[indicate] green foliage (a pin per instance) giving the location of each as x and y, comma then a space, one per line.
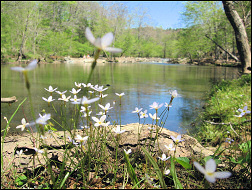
21, 180
176, 181
156, 168
131, 170
225, 98
62, 32
246, 154
184, 161
205, 18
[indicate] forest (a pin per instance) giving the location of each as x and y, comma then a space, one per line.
41, 29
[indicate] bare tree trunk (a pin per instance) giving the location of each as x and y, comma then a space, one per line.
23, 39
240, 35
164, 50
233, 56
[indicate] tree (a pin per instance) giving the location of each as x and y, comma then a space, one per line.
240, 35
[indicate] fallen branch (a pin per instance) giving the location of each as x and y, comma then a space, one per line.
213, 123
234, 131
233, 56
9, 100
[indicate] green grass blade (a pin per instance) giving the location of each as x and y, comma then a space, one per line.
131, 170
158, 171
64, 180
174, 176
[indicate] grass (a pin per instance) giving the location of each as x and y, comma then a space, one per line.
218, 120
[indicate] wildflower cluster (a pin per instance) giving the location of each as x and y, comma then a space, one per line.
94, 136
154, 116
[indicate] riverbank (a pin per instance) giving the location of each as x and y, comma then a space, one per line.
219, 118
182, 61
205, 62
117, 60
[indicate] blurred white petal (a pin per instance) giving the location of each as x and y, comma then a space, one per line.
113, 50
210, 166
95, 119
107, 39
20, 69
89, 35
199, 167
222, 174
32, 65
210, 178
98, 43
103, 118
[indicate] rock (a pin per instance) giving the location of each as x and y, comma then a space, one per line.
187, 148
56, 146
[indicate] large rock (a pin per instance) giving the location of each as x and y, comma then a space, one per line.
56, 143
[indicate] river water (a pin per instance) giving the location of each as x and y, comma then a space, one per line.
142, 83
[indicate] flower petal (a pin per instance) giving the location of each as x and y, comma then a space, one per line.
107, 39
89, 35
210, 178
98, 43
210, 166
96, 119
199, 167
240, 110
32, 65
173, 138
179, 137
93, 100
44, 99
103, 118
222, 174
23, 121
19, 69
101, 106
113, 50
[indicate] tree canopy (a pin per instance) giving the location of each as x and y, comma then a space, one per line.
44, 28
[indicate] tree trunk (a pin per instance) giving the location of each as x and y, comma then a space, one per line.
240, 35
23, 39
164, 50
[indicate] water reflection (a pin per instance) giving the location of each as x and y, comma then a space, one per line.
142, 83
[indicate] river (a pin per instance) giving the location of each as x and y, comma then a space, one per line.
142, 83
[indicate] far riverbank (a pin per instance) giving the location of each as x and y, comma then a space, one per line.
182, 61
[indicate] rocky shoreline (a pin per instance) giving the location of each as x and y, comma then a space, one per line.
189, 147
117, 59
182, 61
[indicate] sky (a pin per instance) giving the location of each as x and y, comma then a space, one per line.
162, 13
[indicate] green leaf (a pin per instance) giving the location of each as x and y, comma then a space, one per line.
245, 147
176, 181
21, 180
158, 171
184, 161
240, 160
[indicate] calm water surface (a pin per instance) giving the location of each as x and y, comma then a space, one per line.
142, 83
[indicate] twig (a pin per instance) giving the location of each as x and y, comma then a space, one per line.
235, 131
213, 123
